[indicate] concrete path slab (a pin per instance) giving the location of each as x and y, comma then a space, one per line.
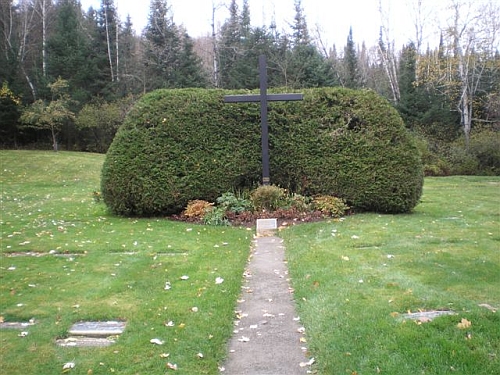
267, 335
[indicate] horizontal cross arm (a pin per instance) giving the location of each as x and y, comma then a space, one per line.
257, 98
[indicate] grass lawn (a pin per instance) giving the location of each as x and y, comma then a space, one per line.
355, 278
117, 271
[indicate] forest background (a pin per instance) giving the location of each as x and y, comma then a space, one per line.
69, 75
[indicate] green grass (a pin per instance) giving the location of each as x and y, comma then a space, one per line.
118, 270
353, 277
446, 255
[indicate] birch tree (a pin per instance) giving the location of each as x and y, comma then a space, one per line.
469, 44
387, 53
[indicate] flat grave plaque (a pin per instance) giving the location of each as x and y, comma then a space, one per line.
16, 325
97, 329
266, 226
83, 342
426, 316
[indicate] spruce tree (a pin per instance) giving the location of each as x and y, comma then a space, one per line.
162, 47
351, 77
306, 67
69, 53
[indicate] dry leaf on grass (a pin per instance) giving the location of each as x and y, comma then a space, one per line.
308, 363
172, 366
68, 366
464, 323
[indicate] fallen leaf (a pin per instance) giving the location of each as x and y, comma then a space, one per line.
424, 319
464, 323
172, 366
303, 340
68, 366
156, 341
164, 355
1, 319
345, 258
308, 363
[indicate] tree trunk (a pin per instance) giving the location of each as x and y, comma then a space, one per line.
108, 42
215, 50
117, 53
44, 38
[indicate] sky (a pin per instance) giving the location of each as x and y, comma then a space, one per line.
332, 18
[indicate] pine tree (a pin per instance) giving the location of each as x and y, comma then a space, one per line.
69, 51
351, 78
131, 75
230, 49
306, 67
190, 73
162, 47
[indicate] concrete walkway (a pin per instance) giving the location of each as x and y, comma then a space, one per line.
267, 336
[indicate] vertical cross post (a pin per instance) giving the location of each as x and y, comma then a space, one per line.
264, 127
263, 98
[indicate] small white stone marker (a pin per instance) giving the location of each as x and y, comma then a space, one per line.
266, 226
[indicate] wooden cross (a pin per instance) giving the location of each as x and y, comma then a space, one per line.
263, 98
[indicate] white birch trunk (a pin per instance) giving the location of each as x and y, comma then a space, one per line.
110, 55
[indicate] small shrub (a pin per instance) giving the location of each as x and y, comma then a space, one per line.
268, 197
331, 206
97, 196
298, 203
230, 202
216, 216
197, 208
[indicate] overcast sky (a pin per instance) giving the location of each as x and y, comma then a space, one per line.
332, 17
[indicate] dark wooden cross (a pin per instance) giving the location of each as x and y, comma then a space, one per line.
263, 98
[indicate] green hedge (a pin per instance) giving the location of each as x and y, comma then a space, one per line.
180, 145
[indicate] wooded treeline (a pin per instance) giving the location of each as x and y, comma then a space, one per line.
69, 75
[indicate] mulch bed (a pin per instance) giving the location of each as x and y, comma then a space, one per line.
248, 219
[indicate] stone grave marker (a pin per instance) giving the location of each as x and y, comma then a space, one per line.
427, 316
17, 325
93, 334
266, 227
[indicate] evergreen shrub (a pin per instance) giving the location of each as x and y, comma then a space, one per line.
180, 145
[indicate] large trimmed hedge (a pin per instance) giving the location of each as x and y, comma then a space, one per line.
180, 145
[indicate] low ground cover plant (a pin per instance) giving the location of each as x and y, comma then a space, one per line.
263, 202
